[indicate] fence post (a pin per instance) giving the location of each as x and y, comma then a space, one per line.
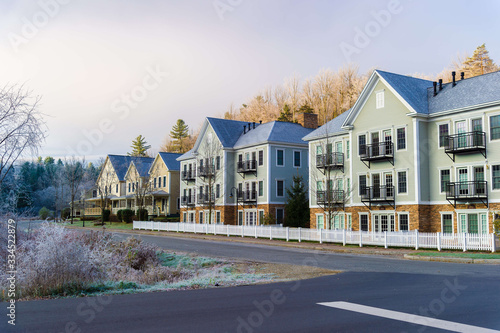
299, 233
360, 238
439, 241
287, 234
178, 226
465, 242
343, 237
385, 239
416, 239
321, 236
256, 231
215, 230
493, 243
270, 233
242, 230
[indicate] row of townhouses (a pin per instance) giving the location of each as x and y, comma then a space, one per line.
411, 154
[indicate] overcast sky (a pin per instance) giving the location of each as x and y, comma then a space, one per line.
110, 70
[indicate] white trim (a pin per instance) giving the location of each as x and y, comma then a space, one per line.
323, 216
397, 182
367, 220
300, 159
284, 163
380, 99
452, 213
416, 156
493, 114
396, 138
399, 219
440, 179
280, 180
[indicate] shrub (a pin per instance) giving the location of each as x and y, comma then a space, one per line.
114, 218
119, 215
44, 213
105, 215
496, 226
142, 214
127, 215
65, 213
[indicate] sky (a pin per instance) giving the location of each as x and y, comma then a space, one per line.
107, 71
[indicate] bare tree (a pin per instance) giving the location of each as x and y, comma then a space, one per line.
292, 85
74, 173
22, 129
103, 184
141, 184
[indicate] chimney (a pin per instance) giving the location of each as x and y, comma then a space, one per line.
244, 129
462, 76
260, 122
453, 75
440, 84
254, 125
435, 87
308, 120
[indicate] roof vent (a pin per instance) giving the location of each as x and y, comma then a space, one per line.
249, 124
440, 84
260, 121
244, 129
453, 74
435, 84
254, 125
462, 75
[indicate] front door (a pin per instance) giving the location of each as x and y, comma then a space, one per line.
375, 147
463, 179
460, 128
389, 189
479, 186
387, 143
376, 186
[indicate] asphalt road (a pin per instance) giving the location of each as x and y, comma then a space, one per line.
457, 294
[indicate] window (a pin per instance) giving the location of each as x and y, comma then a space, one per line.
495, 127
217, 217
403, 222
240, 217
320, 222
261, 157
447, 220
443, 133
280, 157
348, 185
191, 217
217, 162
217, 191
402, 185
261, 217
496, 177
362, 184
164, 181
129, 187
261, 188
362, 144
184, 217
280, 188
159, 181
280, 213
349, 222
296, 159
380, 99
178, 203
319, 150
347, 149
363, 222
154, 182
401, 134
445, 179
201, 217
116, 188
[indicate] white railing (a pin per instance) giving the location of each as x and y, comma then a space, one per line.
413, 239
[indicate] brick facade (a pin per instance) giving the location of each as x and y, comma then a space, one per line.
308, 120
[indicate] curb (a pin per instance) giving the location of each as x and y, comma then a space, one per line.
453, 260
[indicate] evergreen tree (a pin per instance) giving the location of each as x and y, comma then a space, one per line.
297, 205
178, 134
286, 114
479, 63
139, 147
306, 109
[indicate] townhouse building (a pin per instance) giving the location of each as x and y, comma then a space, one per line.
411, 154
238, 172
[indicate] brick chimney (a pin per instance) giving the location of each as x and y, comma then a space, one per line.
308, 120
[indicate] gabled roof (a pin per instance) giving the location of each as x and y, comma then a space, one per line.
186, 156
170, 160
228, 131
331, 128
120, 164
142, 164
473, 91
274, 131
412, 90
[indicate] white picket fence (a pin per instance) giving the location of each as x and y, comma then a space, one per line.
413, 239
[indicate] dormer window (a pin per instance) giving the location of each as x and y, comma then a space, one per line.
380, 99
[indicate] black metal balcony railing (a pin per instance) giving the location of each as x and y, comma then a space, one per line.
188, 175
247, 196
378, 194
332, 160
206, 198
377, 151
188, 200
465, 143
247, 166
206, 170
330, 197
464, 191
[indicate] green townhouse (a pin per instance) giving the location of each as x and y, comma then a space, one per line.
237, 172
411, 154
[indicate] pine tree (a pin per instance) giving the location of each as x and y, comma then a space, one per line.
297, 205
479, 63
178, 134
139, 147
286, 114
306, 109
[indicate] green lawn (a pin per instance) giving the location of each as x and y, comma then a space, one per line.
459, 255
108, 225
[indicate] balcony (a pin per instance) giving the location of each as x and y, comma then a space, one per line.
206, 171
476, 190
465, 143
381, 194
382, 151
247, 196
206, 199
249, 166
188, 200
330, 161
330, 198
188, 175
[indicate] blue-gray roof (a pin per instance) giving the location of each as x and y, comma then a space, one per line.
469, 92
170, 160
228, 131
412, 90
120, 163
333, 127
185, 156
274, 131
142, 164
